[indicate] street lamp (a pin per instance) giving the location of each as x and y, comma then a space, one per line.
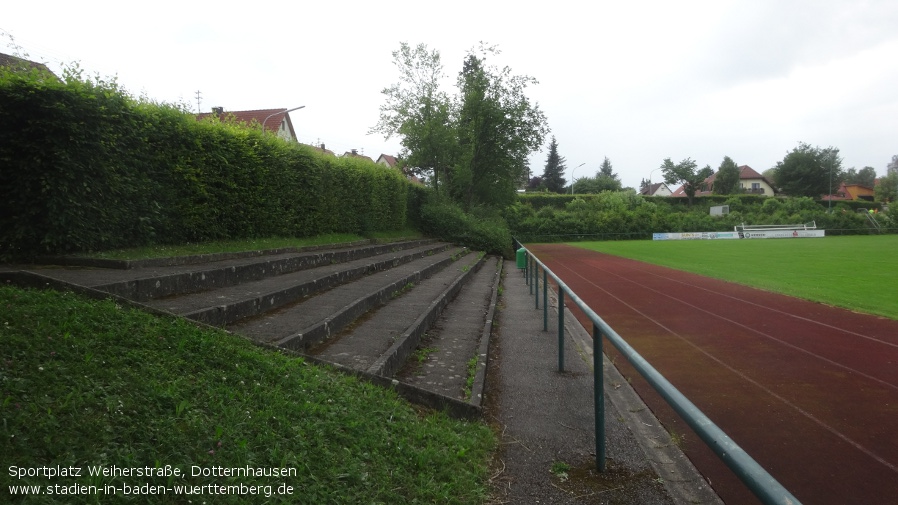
572, 176
650, 177
278, 112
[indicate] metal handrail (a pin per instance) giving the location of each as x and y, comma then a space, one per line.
758, 480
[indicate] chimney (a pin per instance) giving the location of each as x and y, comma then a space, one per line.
322, 146
355, 152
218, 111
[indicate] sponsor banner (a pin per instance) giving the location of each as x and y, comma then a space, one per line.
725, 235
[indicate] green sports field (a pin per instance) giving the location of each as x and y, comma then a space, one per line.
855, 272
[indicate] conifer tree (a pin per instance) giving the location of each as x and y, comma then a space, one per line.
553, 175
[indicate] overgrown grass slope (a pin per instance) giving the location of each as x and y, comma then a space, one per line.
89, 383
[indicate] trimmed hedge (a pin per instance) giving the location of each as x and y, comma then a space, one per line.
625, 215
85, 167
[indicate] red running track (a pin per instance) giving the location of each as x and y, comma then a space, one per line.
808, 390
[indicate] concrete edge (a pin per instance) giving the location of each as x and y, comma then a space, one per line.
681, 479
456, 409
157, 286
204, 258
392, 360
322, 330
222, 315
483, 350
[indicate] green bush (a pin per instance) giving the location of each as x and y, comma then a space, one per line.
446, 220
86, 167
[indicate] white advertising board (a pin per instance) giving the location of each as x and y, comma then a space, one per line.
725, 235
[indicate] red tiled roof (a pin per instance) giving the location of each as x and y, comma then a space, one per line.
272, 118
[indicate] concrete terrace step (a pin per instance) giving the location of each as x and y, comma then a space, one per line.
379, 344
458, 335
191, 278
309, 321
228, 304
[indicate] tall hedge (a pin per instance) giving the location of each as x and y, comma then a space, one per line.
84, 166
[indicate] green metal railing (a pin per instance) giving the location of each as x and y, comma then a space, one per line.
758, 480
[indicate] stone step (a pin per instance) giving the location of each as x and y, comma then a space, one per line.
226, 305
169, 277
382, 340
193, 278
441, 362
312, 320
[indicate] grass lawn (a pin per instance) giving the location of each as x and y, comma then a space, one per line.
87, 383
854, 272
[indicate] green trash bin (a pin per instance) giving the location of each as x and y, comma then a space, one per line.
522, 258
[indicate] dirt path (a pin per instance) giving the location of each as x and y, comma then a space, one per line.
809, 391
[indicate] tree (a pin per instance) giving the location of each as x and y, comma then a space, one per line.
685, 173
644, 184
864, 177
887, 189
553, 174
606, 170
498, 128
726, 182
809, 171
422, 115
597, 184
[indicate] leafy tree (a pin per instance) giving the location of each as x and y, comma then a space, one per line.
726, 182
685, 173
887, 189
498, 128
418, 112
597, 184
553, 174
809, 171
864, 177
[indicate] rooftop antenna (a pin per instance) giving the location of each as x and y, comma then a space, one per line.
198, 109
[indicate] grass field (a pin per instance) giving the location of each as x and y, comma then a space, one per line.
855, 272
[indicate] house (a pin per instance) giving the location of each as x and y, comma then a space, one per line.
391, 161
850, 192
657, 189
750, 181
321, 150
387, 160
23, 65
355, 154
275, 121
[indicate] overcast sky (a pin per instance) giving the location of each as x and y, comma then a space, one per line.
634, 81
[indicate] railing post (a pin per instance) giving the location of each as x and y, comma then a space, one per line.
599, 392
560, 329
536, 284
527, 272
545, 300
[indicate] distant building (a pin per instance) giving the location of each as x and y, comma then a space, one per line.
355, 154
22, 65
321, 150
750, 181
387, 160
275, 121
850, 192
657, 189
